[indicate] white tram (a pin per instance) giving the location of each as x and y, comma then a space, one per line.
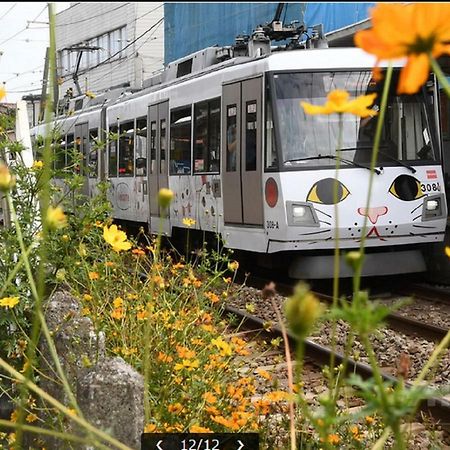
228, 136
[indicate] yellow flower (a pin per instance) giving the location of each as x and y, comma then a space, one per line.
189, 222
209, 397
338, 102
198, 429
2, 92
87, 297
224, 347
116, 238
211, 296
37, 165
369, 420
56, 218
415, 31
233, 266
93, 275
142, 315
118, 302
6, 179
9, 302
447, 251
165, 196
264, 374
175, 408
333, 439
31, 418
150, 428
118, 314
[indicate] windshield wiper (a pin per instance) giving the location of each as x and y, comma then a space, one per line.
387, 155
336, 158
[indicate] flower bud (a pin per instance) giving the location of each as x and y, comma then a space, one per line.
6, 179
302, 310
165, 196
354, 258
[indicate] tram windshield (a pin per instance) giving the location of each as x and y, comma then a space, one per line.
311, 140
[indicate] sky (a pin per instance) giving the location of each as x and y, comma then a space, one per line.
24, 37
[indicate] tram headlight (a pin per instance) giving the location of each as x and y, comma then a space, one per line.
301, 214
433, 207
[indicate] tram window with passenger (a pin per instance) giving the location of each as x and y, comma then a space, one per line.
126, 149
207, 136
93, 153
180, 141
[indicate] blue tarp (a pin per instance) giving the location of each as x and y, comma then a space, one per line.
189, 27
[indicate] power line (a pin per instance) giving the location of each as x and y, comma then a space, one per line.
12, 7
21, 31
124, 60
92, 17
120, 51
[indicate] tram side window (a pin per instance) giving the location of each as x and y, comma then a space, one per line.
126, 149
162, 146
141, 147
207, 136
250, 137
112, 152
93, 153
231, 138
271, 153
180, 141
153, 147
59, 152
70, 151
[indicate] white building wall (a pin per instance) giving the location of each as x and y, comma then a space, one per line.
84, 21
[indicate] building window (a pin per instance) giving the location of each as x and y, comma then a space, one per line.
207, 136
180, 141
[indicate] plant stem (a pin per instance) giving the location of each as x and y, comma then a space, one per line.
440, 75
373, 161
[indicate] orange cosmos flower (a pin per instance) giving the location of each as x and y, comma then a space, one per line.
415, 30
338, 102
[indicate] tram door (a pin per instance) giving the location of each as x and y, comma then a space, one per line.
82, 146
242, 153
157, 161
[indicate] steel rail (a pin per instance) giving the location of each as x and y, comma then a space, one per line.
437, 408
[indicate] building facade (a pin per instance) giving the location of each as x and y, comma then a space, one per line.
101, 46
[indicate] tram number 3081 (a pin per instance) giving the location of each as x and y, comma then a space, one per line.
430, 187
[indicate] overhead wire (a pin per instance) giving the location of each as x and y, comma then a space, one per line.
10, 9
92, 17
120, 51
24, 29
129, 56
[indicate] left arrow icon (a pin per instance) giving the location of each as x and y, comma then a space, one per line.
158, 445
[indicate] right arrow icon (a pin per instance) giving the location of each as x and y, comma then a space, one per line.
241, 445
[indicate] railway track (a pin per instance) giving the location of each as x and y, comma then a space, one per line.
437, 408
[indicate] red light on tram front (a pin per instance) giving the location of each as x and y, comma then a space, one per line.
271, 192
